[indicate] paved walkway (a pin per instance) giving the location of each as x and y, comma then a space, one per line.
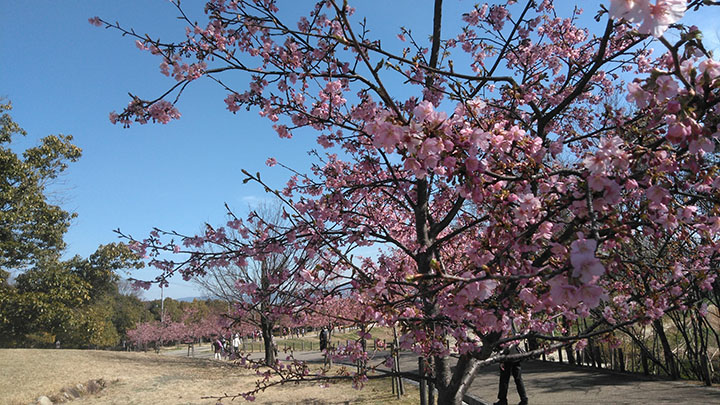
549, 383
552, 383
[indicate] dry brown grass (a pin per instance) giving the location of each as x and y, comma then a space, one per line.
147, 378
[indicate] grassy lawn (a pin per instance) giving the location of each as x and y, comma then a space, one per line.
148, 378
337, 338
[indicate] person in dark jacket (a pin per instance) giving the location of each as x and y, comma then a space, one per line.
323, 339
511, 367
217, 348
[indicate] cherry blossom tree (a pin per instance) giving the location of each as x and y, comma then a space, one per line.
265, 289
506, 191
143, 333
185, 330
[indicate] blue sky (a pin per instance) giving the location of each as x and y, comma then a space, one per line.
64, 76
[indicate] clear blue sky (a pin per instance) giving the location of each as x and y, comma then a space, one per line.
64, 76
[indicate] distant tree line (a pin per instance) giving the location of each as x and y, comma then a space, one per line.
81, 302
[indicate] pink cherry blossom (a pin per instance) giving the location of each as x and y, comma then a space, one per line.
637, 95
424, 110
660, 15
495, 201
657, 194
667, 87
655, 17
588, 271
677, 131
582, 250
630, 10
710, 67
701, 145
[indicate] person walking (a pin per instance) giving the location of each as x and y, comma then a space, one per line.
508, 367
236, 345
225, 348
217, 348
323, 339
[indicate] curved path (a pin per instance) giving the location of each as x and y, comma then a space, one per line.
550, 383
553, 383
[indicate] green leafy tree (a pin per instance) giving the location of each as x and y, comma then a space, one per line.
92, 325
42, 300
127, 312
173, 310
71, 299
30, 226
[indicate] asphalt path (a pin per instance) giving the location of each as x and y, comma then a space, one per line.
550, 383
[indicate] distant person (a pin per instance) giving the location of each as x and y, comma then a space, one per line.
57, 344
323, 339
236, 344
226, 348
217, 348
511, 367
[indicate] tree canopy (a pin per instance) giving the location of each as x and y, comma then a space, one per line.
506, 186
50, 298
31, 227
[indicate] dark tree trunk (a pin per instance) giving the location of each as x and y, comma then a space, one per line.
644, 361
667, 350
451, 390
570, 355
266, 328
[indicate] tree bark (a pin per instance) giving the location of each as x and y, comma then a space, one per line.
570, 355
465, 371
266, 327
667, 350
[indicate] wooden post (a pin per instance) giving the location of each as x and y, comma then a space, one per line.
569, 352
395, 391
401, 385
431, 384
393, 373
706, 369
621, 358
591, 352
423, 382
396, 355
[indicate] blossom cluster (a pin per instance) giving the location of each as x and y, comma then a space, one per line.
497, 197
